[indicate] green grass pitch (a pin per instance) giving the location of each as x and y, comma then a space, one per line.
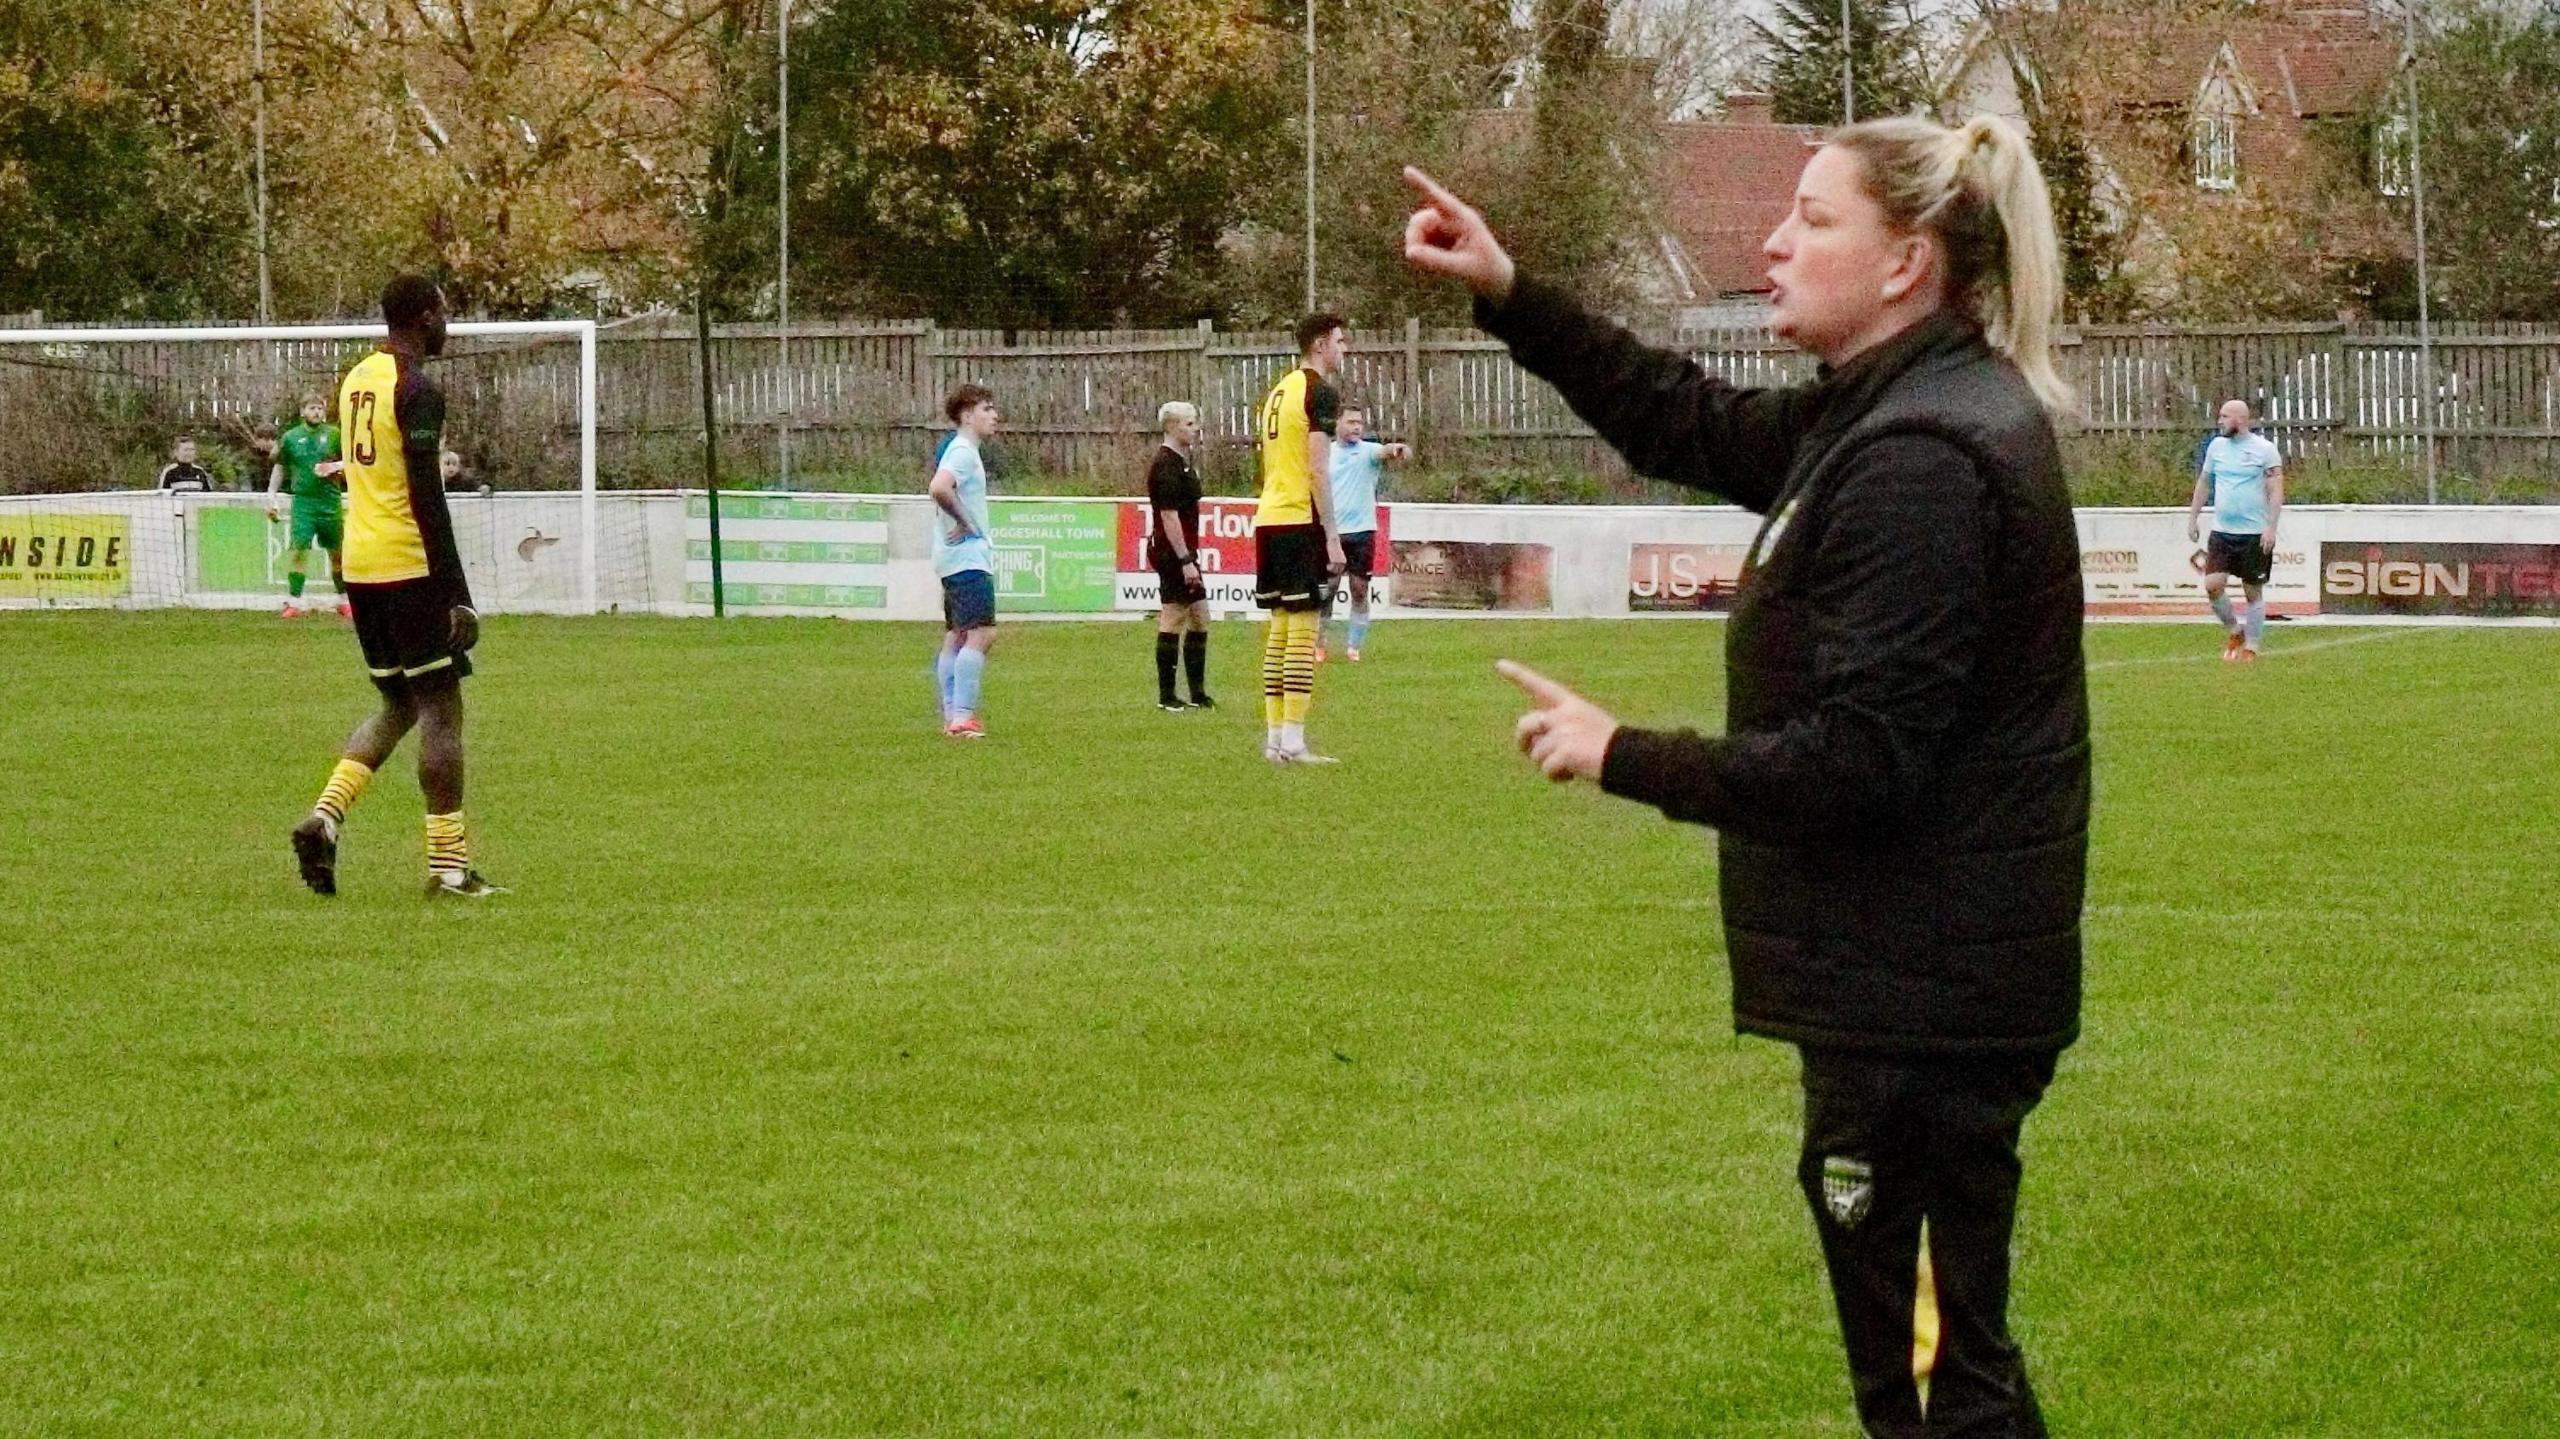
823, 1076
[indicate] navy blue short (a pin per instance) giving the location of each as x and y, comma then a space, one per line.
968, 600
2243, 557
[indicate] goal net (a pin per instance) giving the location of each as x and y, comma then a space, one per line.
92, 511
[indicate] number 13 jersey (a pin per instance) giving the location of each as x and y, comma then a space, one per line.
390, 411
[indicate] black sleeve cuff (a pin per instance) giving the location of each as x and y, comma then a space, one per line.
1672, 770
1527, 311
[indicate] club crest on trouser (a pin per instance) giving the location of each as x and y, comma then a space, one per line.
1848, 1190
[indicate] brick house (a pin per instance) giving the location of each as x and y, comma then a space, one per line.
1719, 187
1725, 184
2259, 104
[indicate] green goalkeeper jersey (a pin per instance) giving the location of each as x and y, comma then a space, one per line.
302, 450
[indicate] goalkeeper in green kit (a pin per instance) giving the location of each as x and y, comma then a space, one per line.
307, 458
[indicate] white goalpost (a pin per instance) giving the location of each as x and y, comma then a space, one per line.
87, 415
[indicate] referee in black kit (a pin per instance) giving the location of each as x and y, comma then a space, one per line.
1902, 789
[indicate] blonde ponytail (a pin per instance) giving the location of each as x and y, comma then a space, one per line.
1977, 188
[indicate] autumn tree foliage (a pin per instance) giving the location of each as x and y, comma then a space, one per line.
123, 186
1037, 162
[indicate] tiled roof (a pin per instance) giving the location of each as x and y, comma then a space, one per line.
1725, 187
2299, 59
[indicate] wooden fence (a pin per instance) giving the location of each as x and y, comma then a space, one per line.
862, 400
1084, 403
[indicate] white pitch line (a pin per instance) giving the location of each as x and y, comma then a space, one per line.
2215, 656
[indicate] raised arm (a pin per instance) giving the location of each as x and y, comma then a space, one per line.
1670, 419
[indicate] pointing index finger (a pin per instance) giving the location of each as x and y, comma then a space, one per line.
1432, 190
1535, 685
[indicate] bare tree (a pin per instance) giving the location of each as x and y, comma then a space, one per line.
1703, 49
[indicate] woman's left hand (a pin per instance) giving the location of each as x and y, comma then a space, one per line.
1565, 736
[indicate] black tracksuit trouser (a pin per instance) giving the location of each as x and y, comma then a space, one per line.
1890, 1142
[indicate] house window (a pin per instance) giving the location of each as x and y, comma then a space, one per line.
2215, 144
2391, 155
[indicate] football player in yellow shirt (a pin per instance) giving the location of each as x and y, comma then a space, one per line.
1297, 548
413, 614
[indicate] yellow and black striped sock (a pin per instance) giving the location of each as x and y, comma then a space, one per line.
1275, 646
339, 794
1298, 677
448, 852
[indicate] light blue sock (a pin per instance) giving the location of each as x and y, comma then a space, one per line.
1359, 630
968, 669
2222, 612
942, 681
2257, 623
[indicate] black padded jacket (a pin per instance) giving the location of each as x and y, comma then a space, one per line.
1902, 790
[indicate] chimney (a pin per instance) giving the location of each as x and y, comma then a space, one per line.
1638, 78
1750, 107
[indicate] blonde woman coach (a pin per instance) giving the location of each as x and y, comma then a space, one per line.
1901, 793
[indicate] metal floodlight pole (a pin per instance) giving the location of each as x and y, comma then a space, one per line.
258, 88
1848, 86
2418, 206
1311, 156
782, 232
588, 516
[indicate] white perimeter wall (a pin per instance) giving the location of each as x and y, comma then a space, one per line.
523, 551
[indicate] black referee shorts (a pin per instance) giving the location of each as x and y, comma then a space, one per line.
406, 632
1173, 589
1288, 567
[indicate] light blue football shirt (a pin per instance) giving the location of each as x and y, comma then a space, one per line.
1355, 485
960, 456
2239, 466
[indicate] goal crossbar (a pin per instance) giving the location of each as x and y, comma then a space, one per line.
584, 331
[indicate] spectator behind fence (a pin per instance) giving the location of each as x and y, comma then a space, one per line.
182, 475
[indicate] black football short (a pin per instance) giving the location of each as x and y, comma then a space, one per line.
406, 631
968, 600
1360, 554
1173, 589
1288, 567
2243, 557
